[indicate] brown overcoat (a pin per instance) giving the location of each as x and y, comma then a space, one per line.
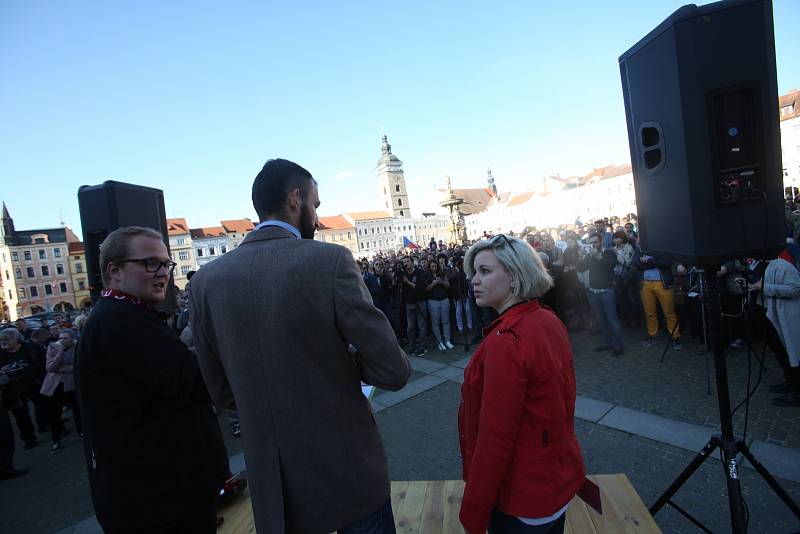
272, 321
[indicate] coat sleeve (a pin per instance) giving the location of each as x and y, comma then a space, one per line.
381, 360
207, 350
788, 288
502, 404
54, 357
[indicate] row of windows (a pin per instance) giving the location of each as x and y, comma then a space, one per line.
33, 291
212, 251
31, 272
26, 254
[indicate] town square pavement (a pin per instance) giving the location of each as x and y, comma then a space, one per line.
634, 415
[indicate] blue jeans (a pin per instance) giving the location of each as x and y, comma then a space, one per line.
463, 307
604, 308
381, 522
417, 323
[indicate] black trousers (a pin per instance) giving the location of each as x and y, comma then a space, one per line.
199, 516
60, 399
773, 341
23, 418
6, 440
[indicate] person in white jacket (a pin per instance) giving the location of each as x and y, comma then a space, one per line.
780, 296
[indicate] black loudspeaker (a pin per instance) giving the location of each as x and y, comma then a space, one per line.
701, 102
112, 205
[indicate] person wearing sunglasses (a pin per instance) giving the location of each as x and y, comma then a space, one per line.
521, 460
153, 446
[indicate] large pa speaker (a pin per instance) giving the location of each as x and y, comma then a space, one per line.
112, 205
701, 103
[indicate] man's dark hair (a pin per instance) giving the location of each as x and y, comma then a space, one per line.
274, 182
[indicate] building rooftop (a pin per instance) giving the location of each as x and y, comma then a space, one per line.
335, 222
368, 215
76, 247
177, 226
789, 105
208, 231
238, 226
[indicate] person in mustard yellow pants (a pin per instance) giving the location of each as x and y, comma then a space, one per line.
657, 291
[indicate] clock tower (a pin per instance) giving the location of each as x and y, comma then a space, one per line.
392, 182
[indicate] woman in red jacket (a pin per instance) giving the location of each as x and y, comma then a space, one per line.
522, 462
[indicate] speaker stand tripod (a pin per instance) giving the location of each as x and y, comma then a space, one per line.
725, 441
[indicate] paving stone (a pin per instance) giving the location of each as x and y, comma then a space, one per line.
424, 365
451, 373
591, 409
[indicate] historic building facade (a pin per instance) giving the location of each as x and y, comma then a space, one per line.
181, 248
209, 243
340, 230
78, 272
392, 182
790, 139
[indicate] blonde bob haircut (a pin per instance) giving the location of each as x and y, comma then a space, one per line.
529, 277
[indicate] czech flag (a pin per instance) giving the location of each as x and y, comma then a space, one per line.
409, 244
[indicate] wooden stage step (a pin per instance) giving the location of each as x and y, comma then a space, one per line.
432, 506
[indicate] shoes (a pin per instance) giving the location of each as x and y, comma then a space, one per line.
676, 344
31, 443
602, 348
787, 401
441, 346
737, 343
13, 473
56, 448
617, 352
235, 430
649, 341
783, 387
449, 345
419, 352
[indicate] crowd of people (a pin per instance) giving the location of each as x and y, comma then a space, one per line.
283, 313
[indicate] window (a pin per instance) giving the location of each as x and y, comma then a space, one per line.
59, 268
48, 289
62, 286
401, 213
8, 276
81, 285
57, 252
223, 249
180, 241
373, 230
45, 270
199, 252
397, 188
27, 255
349, 235
22, 292
18, 272
183, 255
78, 267
212, 251
4, 256
77, 257
34, 291
399, 201
10, 295
31, 272
14, 256
185, 269
42, 254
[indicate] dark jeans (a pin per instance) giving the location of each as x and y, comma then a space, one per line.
60, 399
23, 419
501, 523
417, 323
604, 307
381, 522
199, 517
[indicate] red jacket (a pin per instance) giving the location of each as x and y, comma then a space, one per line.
518, 443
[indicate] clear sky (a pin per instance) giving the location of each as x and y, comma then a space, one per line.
193, 97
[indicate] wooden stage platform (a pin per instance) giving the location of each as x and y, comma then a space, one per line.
431, 507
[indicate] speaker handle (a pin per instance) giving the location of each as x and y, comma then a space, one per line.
651, 147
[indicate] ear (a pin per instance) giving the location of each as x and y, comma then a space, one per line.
114, 271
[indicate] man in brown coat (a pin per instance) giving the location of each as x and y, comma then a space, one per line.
273, 323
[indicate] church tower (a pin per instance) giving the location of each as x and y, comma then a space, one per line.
392, 182
7, 230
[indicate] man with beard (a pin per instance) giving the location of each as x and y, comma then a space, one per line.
153, 446
285, 325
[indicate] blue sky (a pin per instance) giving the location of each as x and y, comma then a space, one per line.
194, 97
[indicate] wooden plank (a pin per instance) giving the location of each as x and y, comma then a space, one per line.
616, 518
409, 515
433, 510
238, 516
398, 494
628, 504
578, 517
453, 495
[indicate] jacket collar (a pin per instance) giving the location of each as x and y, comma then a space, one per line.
511, 317
267, 233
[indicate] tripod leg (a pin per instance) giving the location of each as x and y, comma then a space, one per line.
669, 339
767, 476
686, 474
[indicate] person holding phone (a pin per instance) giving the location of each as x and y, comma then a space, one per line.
600, 263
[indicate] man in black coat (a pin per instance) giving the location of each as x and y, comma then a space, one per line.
154, 449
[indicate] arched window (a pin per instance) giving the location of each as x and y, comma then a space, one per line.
399, 201
397, 188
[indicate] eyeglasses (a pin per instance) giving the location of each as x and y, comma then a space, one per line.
152, 265
496, 238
